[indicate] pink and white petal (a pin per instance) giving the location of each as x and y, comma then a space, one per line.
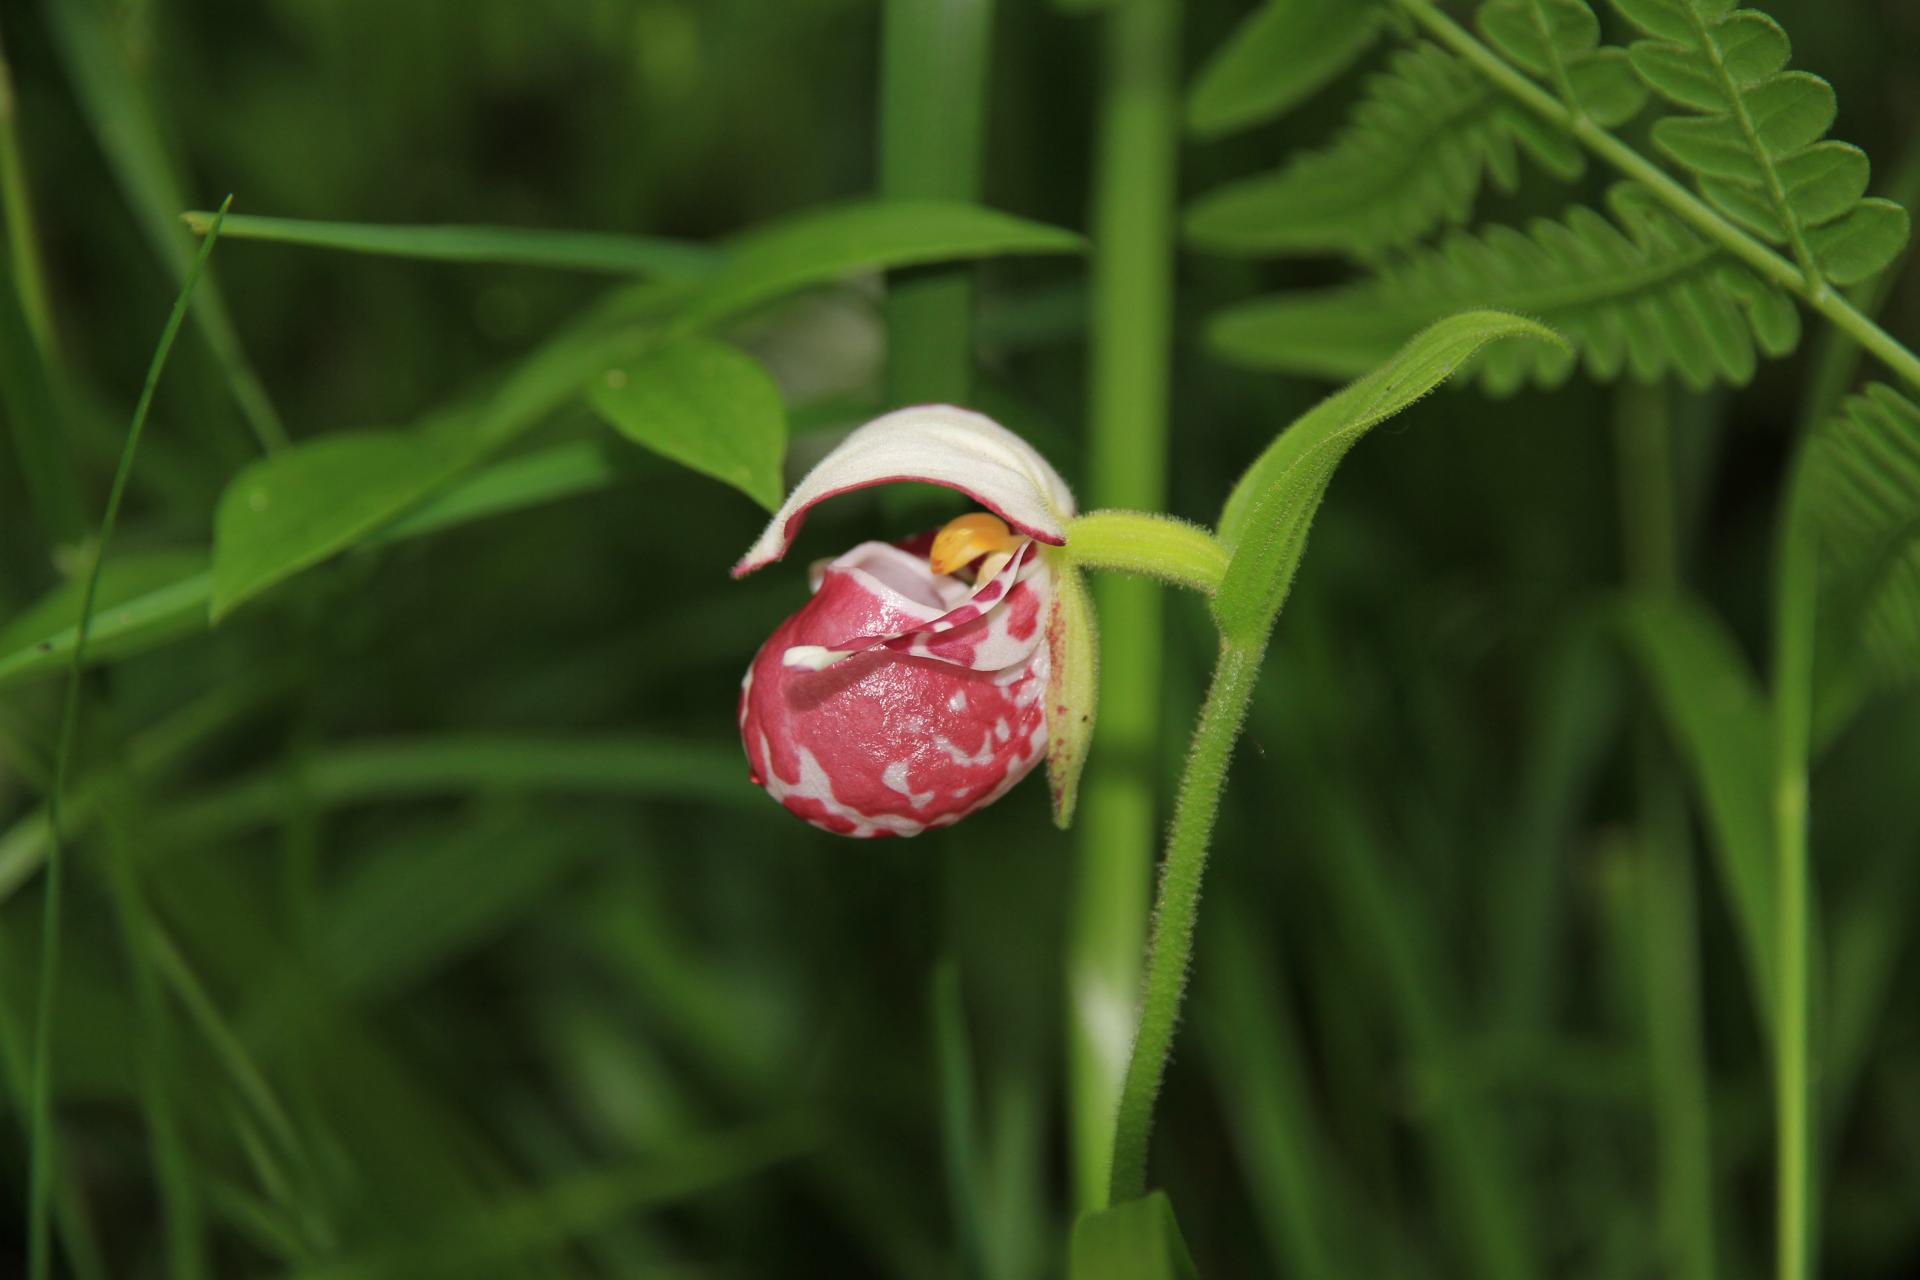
995, 627
933, 444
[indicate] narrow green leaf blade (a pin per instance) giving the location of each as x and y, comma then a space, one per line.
818, 247
1138, 1240
605, 252
1720, 724
706, 406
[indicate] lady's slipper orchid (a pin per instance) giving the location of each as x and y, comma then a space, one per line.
926, 677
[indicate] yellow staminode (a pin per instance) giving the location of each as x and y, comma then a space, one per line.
962, 541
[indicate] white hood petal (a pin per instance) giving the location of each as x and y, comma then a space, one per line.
934, 444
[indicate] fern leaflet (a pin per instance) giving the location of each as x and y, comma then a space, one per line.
1642, 293
1559, 41
1757, 151
1864, 500
1423, 138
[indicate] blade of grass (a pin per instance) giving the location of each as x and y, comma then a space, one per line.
41, 1159
1669, 928
539, 1218
16, 206
35, 422
173, 1165
956, 1114
934, 70
111, 98
607, 252
1131, 317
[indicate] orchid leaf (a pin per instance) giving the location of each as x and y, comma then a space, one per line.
1266, 519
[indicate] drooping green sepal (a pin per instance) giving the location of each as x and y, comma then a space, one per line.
1073, 687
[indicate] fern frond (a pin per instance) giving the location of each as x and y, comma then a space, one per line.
1284, 52
1424, 137
1642, 293
1756, 150
1559, 41
1864, 503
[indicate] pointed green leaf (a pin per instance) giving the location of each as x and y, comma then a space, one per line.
1283, 52
825, 245
706, 406
1138, 1240
1264, 525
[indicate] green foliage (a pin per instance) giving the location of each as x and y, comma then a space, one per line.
572, 250
1282, 53
1138, 1240
877, 236
1639, 294
1863, 477
1721, 727
1414, 155
1265, 522
1756, 149
1559, 41
707, 407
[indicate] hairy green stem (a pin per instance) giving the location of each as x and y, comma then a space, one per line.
1669, 926
1177, 908
1814, 291
1132, 286
1153, 546
40, 1160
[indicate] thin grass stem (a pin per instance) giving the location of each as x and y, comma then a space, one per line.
41, 1156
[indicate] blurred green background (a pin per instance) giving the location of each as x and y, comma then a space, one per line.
478, 955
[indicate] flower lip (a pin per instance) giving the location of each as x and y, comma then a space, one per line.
933, 444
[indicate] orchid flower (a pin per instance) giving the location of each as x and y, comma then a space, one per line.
925, 677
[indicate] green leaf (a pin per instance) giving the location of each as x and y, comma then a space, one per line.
568, 250
706, 406
1074, 686
1721, 726
1641, 294
297, 507
1756, 149
112, 97
1138, 1240
288, 512
1559, 41
1281, 54
143, 600
1266, 519
40, 438
1414, 155
821, 246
